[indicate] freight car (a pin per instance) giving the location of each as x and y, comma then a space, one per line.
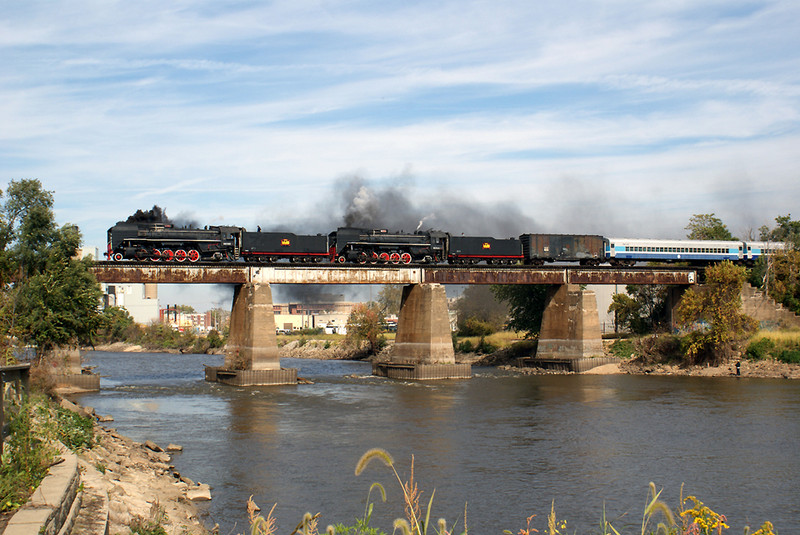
471, 250
585, 249
275, 246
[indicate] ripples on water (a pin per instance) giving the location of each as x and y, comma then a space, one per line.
504, 445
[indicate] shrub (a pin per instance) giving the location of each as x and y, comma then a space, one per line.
485, 347
622, 348
524, 348
790, 356
75, 431
760, 349
215, 340
25, 459
465, 347
658, 348
308, 331
475, 327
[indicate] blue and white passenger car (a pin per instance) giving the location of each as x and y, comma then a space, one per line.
627, 251
753, 250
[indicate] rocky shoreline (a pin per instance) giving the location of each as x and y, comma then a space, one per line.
140, 481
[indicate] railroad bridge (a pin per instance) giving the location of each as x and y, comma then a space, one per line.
423, 347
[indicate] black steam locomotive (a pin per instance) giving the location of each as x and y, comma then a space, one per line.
158, 242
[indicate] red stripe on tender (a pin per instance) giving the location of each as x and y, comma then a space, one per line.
482, 256
279, 253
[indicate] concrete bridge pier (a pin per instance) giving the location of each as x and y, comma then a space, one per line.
251, 356
570, 325
423, 347
66, 370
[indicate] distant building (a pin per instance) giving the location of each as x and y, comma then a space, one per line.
332, 317
87, 252
140, 300
185, 321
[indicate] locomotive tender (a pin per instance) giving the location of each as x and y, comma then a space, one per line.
159, 242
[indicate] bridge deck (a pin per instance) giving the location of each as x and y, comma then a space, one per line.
240, 273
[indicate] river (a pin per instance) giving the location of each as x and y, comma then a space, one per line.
505, 446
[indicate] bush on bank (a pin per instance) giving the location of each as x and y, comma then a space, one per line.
29, 451
782, 346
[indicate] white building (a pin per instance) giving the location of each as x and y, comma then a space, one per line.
140, 300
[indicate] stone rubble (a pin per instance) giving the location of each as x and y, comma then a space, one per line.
140, 481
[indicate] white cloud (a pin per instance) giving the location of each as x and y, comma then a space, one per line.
236, 113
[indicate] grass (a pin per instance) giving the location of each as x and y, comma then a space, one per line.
500, 340
788, 337
780, 345
657, 517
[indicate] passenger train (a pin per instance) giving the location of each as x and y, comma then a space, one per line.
159, 242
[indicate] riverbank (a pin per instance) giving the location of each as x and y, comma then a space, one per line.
125, 347
141, 483
762, 369
316, 349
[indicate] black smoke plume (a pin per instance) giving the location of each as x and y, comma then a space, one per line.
159, 215
399, 206
155, 215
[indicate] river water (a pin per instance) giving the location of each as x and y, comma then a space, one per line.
505, 446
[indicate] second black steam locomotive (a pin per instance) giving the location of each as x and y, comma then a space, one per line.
158, 242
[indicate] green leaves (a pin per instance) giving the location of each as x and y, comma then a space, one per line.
526, 305
48, 297
707, 227
714, 312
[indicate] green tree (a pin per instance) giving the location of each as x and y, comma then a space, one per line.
364, 324
641, 309
786, 231
118, 326
707, 227
526, 304
714, 311
779, 273
479, 305
389, 299
49, 298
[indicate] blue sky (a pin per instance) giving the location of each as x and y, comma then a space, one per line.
614, 117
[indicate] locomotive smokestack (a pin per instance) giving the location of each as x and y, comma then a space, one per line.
421, 221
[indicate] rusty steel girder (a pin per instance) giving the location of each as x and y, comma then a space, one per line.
171, 274
335, 274
632, 276
485, 275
